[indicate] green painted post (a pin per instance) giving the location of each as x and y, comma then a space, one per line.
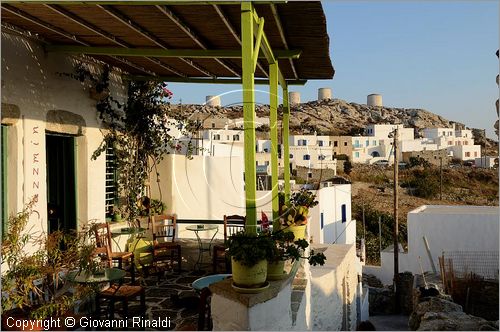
286, 143
273, 103
247, 41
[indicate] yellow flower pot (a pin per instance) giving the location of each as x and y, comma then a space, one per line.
142, 251
249, 276
299, 232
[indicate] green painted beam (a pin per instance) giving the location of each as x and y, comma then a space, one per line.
247, 39
163, 53
133, 2
258, 40
286, 143
273, 123
197, 80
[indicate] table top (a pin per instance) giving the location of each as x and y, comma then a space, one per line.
198, 228
84, 277
203, 282
127, 231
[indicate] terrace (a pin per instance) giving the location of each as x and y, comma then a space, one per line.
49, 120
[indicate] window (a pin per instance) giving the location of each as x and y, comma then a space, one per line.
450, 143
227, 137
374, 143
335, 143
111, 195
344, 212
302, 142
345, 143
321, 157
236, 137
266, 162
467, 154
321, 219
356, 154
320, 143
213, 125
356, 143
475, 154
367, 142
466, 143
329, 143
307, 157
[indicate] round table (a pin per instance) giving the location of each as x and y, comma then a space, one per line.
201, 249
203, 282
84, 277
131, 232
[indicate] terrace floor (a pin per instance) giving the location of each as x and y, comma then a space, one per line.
172, 296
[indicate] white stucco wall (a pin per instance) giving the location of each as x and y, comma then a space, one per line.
31, 83
329, 301
447, 228
330, 204
203, 188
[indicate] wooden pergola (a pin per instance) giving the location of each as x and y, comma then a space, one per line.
216, 42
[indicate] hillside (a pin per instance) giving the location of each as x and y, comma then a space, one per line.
338, 117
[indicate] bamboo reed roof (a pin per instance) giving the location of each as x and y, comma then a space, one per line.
167, 25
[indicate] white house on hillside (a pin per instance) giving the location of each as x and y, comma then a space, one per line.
458, 143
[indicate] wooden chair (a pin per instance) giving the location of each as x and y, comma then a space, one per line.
232, 225
123, 259
118, 292
165, 249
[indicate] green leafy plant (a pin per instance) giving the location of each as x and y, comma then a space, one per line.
248, 249
285, 248
297, 211
32, 283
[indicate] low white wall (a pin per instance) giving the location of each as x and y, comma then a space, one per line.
328, 303
334, 290
201, 188
447, 228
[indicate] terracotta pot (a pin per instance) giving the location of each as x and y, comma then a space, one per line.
249, 276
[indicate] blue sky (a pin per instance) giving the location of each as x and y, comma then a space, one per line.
436, 55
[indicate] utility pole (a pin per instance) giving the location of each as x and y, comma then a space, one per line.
396, 226
380, 237
440, 178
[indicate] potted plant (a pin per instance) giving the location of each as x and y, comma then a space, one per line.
249, 255
32, 282
294, 215
286, 248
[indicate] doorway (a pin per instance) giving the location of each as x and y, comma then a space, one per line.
61, 183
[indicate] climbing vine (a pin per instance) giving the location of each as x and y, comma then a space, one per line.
138, 131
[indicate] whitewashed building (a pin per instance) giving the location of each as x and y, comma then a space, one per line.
49, 131
331, 218
459, 143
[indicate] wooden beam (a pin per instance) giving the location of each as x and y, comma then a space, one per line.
282, 35
146, 34
233, 31
187, 30
162, 53
203, 80
66, 34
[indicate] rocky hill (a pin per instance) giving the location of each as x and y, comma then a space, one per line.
338, 117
